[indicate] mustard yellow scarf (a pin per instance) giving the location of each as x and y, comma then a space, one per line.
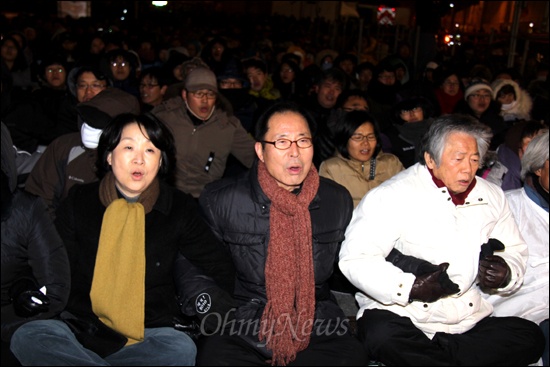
118, 285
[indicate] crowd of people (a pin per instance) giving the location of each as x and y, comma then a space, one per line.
200, 199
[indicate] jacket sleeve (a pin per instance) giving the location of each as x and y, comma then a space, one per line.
243, 146
515, 249
199, 295
47, 176
48, 262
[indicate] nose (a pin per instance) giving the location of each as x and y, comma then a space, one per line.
138, 158
294, 150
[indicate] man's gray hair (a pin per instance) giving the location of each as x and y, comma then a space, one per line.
535, 155
436, 137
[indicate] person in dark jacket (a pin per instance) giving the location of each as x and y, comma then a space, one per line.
70, 159
123, 235
283, 225
412, 118
35, 267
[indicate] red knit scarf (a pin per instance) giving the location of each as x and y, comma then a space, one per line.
287, 320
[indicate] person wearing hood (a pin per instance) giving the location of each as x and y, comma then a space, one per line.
123, 68
412, 118
516, 104
70, 159
205, 131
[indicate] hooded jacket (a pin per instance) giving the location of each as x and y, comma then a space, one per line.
521, 107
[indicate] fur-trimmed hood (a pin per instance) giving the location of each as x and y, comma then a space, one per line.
522, 108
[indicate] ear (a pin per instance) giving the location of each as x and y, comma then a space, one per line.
110, 158
259, 150
163, 90
538, 172
429, 161
184, 94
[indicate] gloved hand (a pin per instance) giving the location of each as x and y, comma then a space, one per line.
214, 307
27, 300
416, 266
430, 287
490, 247
493, 272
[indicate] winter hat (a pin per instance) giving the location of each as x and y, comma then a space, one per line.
109, 103
200, 78
232, 71
475, 86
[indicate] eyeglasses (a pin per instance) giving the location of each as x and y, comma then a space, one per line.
51, 70
148, 85
287, 70
361, 137
452, 84
201, 95
95, 86
284, 144
117, 63
481, 96
411, 111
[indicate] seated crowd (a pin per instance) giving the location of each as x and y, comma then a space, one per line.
202, 202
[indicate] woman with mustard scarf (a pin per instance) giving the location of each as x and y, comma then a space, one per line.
123, 235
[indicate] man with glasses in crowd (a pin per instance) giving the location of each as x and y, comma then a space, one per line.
205, 132
283, 225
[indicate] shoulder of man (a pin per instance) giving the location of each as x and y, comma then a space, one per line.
171, 104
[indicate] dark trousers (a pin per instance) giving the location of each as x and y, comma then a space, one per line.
504, 341
227, 350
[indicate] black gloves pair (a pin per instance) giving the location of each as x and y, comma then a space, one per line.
493, 272
27, 300
432, 281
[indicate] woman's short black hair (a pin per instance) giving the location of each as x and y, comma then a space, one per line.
410, 103
348, 123
158, 133
282, 107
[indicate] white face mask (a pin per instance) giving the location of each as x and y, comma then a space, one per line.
90, 136
509, 106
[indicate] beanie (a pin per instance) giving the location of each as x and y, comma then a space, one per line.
109, 103
200, 78
475, 86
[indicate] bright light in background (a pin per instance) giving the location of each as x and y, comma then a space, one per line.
159, 3
125, 11
121, 18
457, 25
451, 5
531, 24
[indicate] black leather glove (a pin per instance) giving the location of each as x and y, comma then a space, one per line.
418, 267
410, 264
493, 272
27, 300
490, 247
430, 287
